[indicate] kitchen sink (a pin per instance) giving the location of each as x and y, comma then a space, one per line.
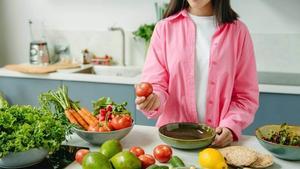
279, 78
128, 71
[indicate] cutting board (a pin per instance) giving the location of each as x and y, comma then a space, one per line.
37, 69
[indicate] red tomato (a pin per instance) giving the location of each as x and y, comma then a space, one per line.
80, 154
143, 89
162, 153
93, 128
120, 122
137, 151
146, 160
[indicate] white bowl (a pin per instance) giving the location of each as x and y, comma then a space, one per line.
23, 159
97, 138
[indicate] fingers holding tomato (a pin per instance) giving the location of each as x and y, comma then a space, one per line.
150, 103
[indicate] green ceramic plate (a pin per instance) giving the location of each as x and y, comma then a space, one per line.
281, 151
187, 135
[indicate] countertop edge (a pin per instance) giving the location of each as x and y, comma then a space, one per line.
263, 88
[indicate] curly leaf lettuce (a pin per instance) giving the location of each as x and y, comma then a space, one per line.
26, 127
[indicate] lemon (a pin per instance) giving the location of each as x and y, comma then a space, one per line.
211, 158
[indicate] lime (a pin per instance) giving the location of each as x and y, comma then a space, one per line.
110, 148
125, 160
95, 160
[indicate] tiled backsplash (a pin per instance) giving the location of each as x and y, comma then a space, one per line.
99, 43
277, 52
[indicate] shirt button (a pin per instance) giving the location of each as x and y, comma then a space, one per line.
214, 62
210, 102
212, 83
209, 121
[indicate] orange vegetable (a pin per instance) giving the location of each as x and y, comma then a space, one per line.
79, 119
70, 117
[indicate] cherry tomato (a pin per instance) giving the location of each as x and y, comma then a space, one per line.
93, 128
143, 89
120, 122
146, 160
162, 153
80, 154
137, 151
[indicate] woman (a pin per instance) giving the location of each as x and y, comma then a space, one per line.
202, 67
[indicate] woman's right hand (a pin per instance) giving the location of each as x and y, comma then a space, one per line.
149, 103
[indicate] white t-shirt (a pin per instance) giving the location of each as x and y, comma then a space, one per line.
206, 27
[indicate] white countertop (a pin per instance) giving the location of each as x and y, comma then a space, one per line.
147, 137
66, 75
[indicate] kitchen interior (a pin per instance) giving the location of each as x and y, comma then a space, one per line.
93, 47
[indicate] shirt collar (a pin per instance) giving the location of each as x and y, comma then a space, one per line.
182, 13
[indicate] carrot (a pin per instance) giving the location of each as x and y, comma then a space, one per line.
70, 117
94, 119
79, 119
87, 118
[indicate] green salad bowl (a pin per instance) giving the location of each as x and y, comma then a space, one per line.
187, 135
286, 152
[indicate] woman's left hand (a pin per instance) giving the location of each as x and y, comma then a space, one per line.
223, 138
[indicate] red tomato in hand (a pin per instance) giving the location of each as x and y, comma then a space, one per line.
143, 89
146, 160
162, 153
120, 122
80, 154
137, 151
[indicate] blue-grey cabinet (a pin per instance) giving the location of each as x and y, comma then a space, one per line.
276, 109
25, 91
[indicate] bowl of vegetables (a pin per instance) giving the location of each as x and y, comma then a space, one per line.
283, 141
187, 135
27, 135
108, 121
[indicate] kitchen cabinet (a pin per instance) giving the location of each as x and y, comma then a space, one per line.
276, 109
25, 91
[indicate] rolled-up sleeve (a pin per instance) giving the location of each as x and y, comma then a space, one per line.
155, 69
245, 96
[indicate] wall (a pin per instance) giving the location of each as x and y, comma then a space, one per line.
2, 61
275, 29
274, 25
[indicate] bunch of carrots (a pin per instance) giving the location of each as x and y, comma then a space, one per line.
73, 112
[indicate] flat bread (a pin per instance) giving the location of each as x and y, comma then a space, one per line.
263, 161
239, 156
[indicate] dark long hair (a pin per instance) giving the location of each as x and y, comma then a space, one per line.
221, 9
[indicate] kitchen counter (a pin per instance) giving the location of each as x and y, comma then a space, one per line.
69, 76
147, 137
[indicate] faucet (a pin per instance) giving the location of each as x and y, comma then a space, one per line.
123, 41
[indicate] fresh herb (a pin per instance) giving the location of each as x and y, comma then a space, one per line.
103, 102
284, 136
145, 32
26, 127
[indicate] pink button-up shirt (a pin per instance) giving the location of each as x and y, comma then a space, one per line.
232, 91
